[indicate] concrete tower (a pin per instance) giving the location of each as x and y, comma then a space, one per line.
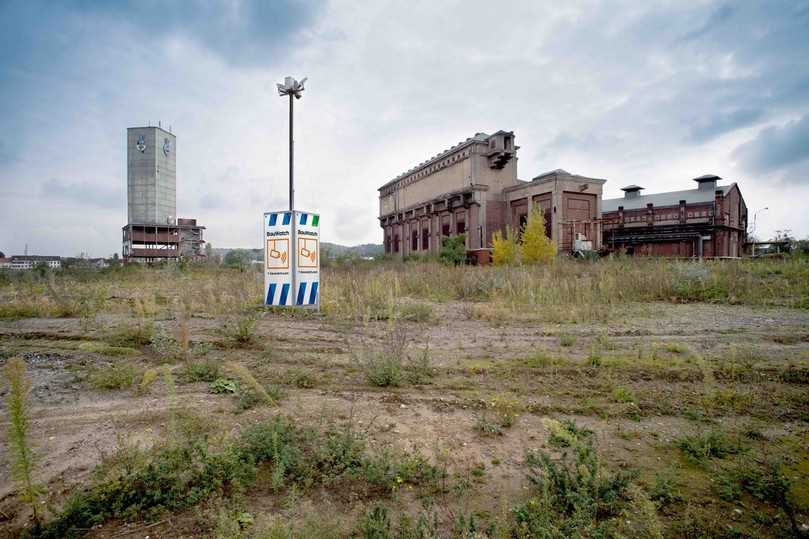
151, 176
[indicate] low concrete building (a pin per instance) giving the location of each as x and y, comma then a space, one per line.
709, 221
29, 262
570, 205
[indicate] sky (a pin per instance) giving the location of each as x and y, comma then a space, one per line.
646, 92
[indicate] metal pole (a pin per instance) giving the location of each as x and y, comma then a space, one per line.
294, 237
291, 159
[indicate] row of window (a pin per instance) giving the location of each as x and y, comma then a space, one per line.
426, 172
392, 240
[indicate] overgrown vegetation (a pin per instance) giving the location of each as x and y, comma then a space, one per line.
18, 444
178, 474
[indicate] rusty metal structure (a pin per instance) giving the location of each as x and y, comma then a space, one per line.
709, 221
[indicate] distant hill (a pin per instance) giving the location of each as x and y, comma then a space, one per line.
366, 249
332, 250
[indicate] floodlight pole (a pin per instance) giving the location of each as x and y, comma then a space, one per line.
291, 158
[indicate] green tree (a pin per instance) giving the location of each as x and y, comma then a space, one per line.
237, 258
453, 250
506, 250
537, 248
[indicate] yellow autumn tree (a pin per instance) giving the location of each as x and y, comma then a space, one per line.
505, 249
537, 248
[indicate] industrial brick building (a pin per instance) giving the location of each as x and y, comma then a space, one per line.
472, 189
153, 232
709, 221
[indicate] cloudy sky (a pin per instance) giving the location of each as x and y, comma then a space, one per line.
645, 92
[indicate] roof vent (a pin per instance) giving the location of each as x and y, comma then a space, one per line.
632, 191
707, 182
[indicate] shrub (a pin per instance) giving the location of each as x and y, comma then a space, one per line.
248, 383
393, 364
382, 369
115, 376
453, 250
241, 331
567, 340
301, 378
149, 377
537, 247
18, 443
622, 394
134, 335
573, 497
202, 371
699, 448
505, 250
565, 433
224, 385
499, 414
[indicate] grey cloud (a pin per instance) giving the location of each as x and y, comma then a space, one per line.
718, 17
723, 122
83, 193
244, 33
776, 148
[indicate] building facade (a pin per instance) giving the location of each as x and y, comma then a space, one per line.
153, 232
29, 262
473, 189
458, 191
709, 221
570, 206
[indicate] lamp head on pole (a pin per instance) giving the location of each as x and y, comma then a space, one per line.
291, 87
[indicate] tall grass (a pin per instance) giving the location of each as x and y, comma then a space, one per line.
587, 287
368, 291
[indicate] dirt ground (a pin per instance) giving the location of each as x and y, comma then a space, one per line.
658, 353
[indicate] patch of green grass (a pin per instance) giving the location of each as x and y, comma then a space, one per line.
416, 311
540, 360
131, 335
16, 311
714, 444
119, 375
106, 349
675, 348
622, 394
301, 378
566, 340
202, 371
565, 433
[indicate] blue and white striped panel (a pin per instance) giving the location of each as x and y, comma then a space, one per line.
273, 218
305, 298
278, 295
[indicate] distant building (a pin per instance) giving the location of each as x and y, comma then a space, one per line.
709, 221
472, 189
29, 262
153, 231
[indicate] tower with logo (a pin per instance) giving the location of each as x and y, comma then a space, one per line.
151, 176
